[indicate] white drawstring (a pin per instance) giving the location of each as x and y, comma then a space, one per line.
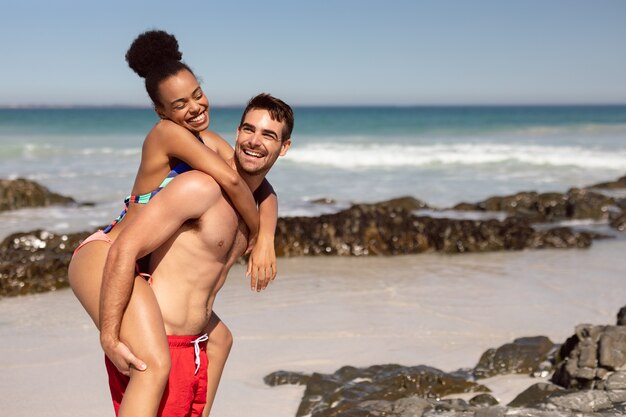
196, 349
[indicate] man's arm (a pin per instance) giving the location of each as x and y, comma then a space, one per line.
156, 223
262, 261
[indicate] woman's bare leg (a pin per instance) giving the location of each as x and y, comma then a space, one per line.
218, 347
142, 329
144, 333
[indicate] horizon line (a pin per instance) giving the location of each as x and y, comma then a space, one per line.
343, 105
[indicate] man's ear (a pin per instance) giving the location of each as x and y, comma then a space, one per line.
284, 147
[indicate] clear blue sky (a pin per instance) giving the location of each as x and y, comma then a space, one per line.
405, 52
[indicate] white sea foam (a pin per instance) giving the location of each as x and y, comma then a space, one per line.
360, 156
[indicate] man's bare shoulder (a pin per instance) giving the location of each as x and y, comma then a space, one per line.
192, 188
195, 182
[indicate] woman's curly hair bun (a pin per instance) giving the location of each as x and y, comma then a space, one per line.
151, 50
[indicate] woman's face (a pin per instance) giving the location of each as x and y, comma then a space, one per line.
184, 102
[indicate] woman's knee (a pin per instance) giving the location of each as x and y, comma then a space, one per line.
158, 365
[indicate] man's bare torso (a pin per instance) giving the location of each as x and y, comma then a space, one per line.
191, 267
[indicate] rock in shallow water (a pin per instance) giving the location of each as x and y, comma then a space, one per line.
286, 378
548, 207
20, 193
36, 261
526, 355
620, 183
535, 395
378, 229
351, 391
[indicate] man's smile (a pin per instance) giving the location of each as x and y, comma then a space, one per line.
253, 154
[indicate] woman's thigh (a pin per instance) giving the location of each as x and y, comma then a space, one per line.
85, 276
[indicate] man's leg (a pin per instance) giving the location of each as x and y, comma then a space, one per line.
218, 348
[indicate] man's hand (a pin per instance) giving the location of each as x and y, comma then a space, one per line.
262, 264
120, 355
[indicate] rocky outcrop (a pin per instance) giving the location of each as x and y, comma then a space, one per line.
593, 358
21, 193
286, 378
387, 228
36, 261
619, 222
381, 229
526, 355
611, 185
350, 391
548, 207
398, 391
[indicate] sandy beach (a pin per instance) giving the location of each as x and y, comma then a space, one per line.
323, 313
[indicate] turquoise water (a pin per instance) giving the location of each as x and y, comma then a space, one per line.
442, 155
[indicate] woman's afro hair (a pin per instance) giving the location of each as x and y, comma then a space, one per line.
152, 50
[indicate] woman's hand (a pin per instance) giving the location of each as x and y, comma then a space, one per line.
120, 355
262, 264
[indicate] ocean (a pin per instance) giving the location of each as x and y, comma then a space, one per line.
440, 155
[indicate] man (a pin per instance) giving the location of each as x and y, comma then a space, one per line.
194, 236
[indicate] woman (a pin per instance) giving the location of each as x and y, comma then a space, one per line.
177, 143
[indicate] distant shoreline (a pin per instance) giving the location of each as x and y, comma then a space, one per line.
317, 106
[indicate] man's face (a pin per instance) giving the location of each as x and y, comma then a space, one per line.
259, 142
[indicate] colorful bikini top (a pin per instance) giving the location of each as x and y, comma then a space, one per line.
145, 198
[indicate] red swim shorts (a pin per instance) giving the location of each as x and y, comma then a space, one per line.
185, 394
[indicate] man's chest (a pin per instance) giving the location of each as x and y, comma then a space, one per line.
222, 233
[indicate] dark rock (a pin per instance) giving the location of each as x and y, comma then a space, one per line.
347, 390
286, 378
21, 193
619, 222
616, 381
404, 407
617, 396
548, 207
590, 357
405, 203
621, 316
585, 204
524, 356
36, 261
359, 230
534, 395
612, 348
495, 411
562, 238
324, 200
611, 185
410, 406
390, 229
454, 404
587, 401
483, 400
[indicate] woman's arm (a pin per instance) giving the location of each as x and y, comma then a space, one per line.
262, 262
178, 142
